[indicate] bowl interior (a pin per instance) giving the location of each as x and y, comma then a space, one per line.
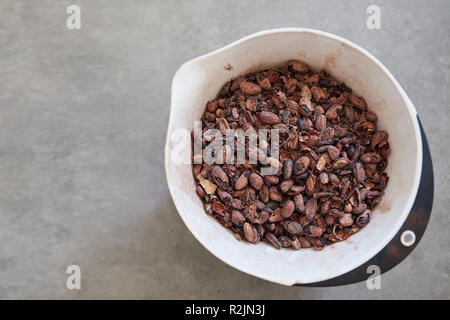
200, 80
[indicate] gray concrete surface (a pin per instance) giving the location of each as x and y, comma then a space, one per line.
83, 116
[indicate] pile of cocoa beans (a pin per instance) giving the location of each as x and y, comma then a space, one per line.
332, 159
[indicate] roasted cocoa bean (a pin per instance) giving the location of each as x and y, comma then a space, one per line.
299, 204
274, 194
299, 66
317, 93
237, 218
268, 117
288, 168
271, 180
273, 240
301, 165
324, 179
311, 208
250, 233
256, 181
346, 220
288, 208
293, 227
359, 102
241, 182
333, 152
359, 173
363, 219
313, 231
286, 185
249, 88
220, 177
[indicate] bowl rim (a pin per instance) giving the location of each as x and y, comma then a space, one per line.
411, 112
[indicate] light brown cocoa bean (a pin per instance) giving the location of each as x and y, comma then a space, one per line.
249, 88
269, 117
287, 209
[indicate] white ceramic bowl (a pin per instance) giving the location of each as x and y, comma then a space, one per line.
200, 80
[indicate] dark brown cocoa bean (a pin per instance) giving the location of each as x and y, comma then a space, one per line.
329, 220
370, 157
257, 217
293, 105
259, 205
210, 116
346, 220
288, 168
282, 128
237, 218
251, 104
